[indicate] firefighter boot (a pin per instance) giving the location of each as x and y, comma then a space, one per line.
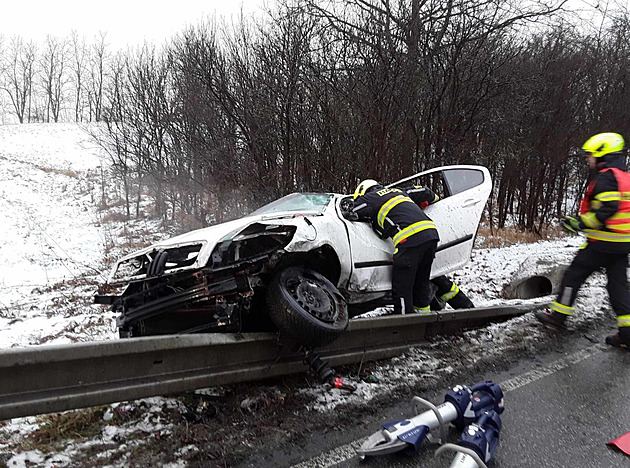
620, 340
437, 303
555, 319
461, 301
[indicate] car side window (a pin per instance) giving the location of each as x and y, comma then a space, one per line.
448, 182
433, 180
460, 180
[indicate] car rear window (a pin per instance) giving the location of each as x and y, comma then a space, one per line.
297, 202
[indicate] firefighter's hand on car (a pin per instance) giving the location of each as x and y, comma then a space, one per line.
387, 231
571, 224
350, 215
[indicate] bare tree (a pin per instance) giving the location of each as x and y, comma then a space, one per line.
321, 94
54, 79
17, 80
79, 60
99, 56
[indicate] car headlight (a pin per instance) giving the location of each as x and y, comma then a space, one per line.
255, 240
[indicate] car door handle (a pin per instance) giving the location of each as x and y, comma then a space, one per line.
470, 202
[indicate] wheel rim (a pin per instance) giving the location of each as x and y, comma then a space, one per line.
313, 298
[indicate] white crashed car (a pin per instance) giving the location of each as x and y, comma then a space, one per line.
300, 265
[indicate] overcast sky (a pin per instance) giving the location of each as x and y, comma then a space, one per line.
126, 22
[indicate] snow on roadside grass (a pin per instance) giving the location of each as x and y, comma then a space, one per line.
51, 243
490, 270
53, 257
118, 431
57, 235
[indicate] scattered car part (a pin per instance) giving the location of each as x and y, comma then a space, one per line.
477, 444
462, 406
622, 443
325, 373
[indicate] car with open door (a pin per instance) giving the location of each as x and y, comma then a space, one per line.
301, 265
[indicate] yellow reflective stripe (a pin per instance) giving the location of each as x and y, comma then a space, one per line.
561, 308
623, 321
413, 229
613, 223
596, 205
608, 196
619, 227
620, 216
386, 208
422, 310
606, 236
436, 198
590, 220
451, 294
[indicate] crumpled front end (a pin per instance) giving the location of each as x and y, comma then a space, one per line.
195, 286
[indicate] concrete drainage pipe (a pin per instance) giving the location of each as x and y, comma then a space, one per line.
535, 278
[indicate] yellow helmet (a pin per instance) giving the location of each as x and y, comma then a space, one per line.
603, 144
363, 187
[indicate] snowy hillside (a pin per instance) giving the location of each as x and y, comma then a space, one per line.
51, 236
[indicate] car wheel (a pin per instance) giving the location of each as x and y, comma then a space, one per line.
307, 306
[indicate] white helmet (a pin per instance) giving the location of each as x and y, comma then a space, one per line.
363, 187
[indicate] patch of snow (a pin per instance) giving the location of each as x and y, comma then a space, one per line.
24, 459
52, 235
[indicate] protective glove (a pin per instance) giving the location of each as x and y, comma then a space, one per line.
350, 215
389, 231
571, 224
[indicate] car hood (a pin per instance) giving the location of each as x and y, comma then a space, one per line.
224, 231
201, 242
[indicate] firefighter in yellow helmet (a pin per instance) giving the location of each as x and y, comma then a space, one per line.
605, 220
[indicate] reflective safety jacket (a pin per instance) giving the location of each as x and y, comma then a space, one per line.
397, 213
605, 209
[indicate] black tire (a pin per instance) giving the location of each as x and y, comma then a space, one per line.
306, 306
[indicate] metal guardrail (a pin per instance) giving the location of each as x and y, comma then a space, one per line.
46, 378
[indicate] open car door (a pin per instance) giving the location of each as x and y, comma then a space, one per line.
463, 192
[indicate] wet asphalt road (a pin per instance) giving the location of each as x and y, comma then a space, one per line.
561, 410
565, 418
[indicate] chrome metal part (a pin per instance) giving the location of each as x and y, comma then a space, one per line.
465, 458
387, 441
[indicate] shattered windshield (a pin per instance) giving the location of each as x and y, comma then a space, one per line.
296, 202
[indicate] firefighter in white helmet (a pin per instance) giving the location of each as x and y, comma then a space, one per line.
397, 214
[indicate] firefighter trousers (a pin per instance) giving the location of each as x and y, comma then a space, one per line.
410, 277
587, 261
